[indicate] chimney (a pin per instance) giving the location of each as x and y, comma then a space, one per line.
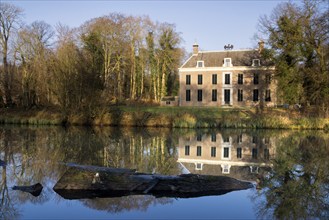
195, 49
260, 46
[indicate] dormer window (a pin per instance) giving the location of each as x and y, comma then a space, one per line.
200, 64
225, 168
198, 166
227, 62
255, 62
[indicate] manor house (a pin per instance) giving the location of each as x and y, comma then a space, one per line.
227, 78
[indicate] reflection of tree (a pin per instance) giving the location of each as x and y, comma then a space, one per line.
144, 151
34, 154
7, 207
126, 203
298, 186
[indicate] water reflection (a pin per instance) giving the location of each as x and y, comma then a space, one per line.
290, 168
126, 203
244, 156
298, 185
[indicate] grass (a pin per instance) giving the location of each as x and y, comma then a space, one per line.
174, 117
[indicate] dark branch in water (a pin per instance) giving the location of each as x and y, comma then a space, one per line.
35, 189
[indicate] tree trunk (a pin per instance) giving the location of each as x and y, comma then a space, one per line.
133, 73
6, 80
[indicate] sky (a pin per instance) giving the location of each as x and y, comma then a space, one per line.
210, 24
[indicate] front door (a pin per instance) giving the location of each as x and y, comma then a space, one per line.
227, 96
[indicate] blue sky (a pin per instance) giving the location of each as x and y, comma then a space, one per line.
211, 24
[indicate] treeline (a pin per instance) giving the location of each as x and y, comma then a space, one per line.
107, 60
298, 36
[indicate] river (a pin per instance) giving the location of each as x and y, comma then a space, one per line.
289, 170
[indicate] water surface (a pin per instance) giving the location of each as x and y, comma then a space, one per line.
289, 170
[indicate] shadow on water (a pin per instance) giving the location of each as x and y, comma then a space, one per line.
289, 168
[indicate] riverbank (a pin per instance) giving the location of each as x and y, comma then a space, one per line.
175, 117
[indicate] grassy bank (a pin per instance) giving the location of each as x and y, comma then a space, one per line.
178, 117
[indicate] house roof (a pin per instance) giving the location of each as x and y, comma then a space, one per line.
216, 58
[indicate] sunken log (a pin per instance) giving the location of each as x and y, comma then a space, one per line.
78, 183
100, 169
35, 189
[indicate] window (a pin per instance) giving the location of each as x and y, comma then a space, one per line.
187, 150
213, 137
227, 62
199, 79
254, 153
198, 151
254, 139
240, 79
226, 152
200, 64
199, 95
167, 102
239, 138
268, 95
226, 139
256, 78
255, 95
188, 79
199, 137
214, 79
213, 151
198, 166
214, 95
227, 96
266, 154
226, 168
239, 152
255, 62
240, 95
268, 79
253, 169
227, 79
188, 95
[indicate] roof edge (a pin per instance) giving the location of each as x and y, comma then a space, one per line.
217, 51
187, 60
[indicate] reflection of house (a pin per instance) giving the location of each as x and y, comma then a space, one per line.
229, 77
240, 156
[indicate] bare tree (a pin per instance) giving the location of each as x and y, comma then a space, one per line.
33, 50
10, 16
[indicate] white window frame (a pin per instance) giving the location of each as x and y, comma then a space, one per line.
254, 169
225, 168
198, 166
223, 77
227, 64
223, 94
227, 145
254, 63
202, 64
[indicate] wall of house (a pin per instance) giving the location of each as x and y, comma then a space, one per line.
246, 143
248, 86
